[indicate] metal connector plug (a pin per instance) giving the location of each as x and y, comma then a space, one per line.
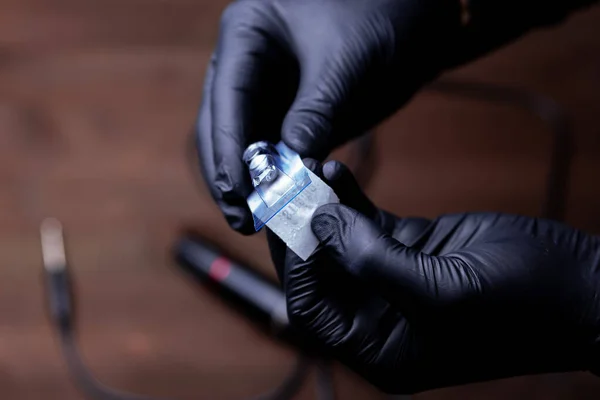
53, 246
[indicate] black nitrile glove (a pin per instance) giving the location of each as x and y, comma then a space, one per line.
412, 304
317, 73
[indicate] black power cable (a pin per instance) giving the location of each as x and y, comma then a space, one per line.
86, 382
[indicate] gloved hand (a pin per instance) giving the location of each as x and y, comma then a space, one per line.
316, 73
412, 304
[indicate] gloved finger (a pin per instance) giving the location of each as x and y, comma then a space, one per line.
204, 130
410, 231
278, 251
404, 276
314, 166
307, 127
338, 82
342, 181
345, 185
239, 217
241, 50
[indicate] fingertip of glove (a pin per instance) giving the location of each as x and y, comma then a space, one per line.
244, 229
327, 222
239, 219
327, 209
296, 140
305, 142
314, 166
335, 170
230, 186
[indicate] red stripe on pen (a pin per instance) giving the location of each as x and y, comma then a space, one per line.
220, 269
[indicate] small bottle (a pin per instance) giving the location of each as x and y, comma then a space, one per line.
268, 178
278, 175
286, 195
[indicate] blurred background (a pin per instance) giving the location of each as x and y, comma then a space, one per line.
97, 99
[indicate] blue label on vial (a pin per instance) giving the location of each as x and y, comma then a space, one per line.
278, 175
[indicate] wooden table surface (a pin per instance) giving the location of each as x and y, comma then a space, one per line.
96, 103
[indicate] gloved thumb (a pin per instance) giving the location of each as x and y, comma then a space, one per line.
307, 130
405, 277
308, 124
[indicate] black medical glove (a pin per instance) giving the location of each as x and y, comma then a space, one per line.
413, 304
316, 73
